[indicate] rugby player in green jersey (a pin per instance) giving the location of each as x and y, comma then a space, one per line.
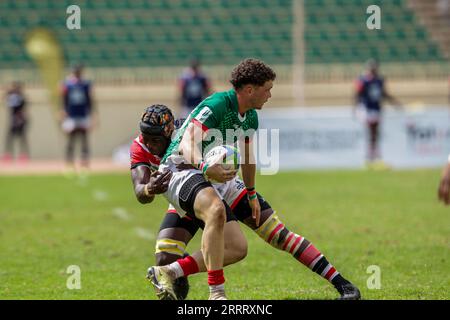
252, 81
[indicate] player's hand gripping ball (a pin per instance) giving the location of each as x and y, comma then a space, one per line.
227, 156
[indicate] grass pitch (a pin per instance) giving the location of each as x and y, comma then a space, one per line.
356, 218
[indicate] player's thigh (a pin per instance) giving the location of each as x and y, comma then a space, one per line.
209, 205
251, 222
243, 212
177, 228
235, 195
234, 237
183, 188
176, 234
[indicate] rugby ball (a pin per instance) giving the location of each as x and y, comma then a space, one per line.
226, 155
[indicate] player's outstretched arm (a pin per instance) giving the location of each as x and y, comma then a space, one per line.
93, 110
389, 97
248, 164
147, 184
248, 168
357, 93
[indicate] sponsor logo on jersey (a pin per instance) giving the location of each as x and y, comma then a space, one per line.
203, 115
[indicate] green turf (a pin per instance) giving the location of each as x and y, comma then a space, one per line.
356, 218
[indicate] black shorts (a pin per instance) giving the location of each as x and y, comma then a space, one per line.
189, 192
242, 210
189, 222
17, 126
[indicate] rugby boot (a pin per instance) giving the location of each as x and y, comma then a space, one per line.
348, 292
162, 281
217, 295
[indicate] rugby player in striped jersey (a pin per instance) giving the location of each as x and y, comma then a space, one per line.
176, 231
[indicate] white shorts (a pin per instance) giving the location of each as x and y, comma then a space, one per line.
70, 124
368, 116
231, 191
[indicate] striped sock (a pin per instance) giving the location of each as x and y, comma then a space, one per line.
276, 234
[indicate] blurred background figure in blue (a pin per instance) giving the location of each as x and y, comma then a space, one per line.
369, 96
194, 86
78, 116
18, 120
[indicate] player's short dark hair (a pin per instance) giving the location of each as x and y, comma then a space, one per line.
251, 71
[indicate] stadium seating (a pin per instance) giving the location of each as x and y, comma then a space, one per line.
137, 33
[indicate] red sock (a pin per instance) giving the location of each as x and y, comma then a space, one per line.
215, 277
189, 265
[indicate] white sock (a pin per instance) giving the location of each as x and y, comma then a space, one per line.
176, 269
217, 288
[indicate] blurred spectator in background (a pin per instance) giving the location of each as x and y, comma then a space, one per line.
370, 92
444, 184
18, 118
78, 115
194, 86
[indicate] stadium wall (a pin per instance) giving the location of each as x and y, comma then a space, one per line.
120, 107
334, 137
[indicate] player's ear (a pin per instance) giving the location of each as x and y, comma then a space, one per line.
248, 88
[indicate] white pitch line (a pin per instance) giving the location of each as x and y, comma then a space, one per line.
121, 213
100, 195
144, 234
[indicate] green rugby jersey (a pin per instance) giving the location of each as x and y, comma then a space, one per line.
219, 111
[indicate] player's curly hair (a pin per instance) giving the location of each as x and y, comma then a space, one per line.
251, 71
